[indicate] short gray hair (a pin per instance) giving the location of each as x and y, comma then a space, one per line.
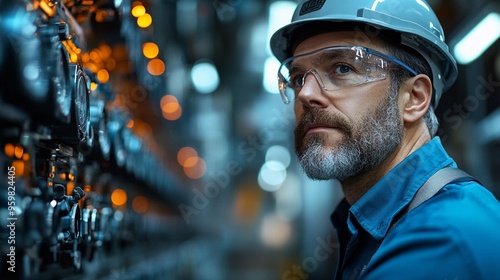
399, 75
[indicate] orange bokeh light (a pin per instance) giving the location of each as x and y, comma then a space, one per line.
191, 162
19, 167
170, 107
118, 197
150, 50
19, 151
144, 21
156, 67
87, 188
173, 116
136, 3
105, 50
184, 154
138, 10
166, 99
103, 76
9, 149
140, 204
196, 171
130, 124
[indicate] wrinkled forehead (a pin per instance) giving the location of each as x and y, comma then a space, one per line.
339, 38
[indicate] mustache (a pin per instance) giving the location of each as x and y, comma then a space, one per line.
316, 115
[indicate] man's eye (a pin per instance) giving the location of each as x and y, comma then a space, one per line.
342, 69
296, 80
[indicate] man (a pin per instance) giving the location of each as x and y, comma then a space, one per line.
364, 78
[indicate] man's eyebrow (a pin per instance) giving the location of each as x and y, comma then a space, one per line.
319, 58
327, 55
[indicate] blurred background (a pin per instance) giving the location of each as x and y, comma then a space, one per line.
166, 115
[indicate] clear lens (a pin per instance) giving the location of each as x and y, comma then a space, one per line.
334, 68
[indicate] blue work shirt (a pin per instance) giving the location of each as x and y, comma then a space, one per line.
454, 235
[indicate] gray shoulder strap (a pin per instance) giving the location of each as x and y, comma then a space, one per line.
436, 182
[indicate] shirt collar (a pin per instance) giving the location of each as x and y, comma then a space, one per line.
375, 210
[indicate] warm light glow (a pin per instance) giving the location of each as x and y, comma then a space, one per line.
140, 204
103, 76
74, 52
170, 107
156, 67
184, 154
94, 56
130, 124
70, 186
138, 10
167, 99
85, 57
191, 162
119, 197
173, 116
19, 151
93, 86
196, 171
87, 188
62, 176
9, 149
143, 129
136, 3
111, 64
19, 166
100, 15
26, 157
144, 21
91, 66
73, 57
150, 50
247, 203
105, 50
48, 7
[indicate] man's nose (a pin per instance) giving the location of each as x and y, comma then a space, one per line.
312, 93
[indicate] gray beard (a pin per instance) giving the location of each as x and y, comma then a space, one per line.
364, 147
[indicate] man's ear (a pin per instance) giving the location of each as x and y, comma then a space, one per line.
417, 98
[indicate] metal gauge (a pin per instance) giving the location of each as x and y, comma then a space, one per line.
80, 106
60, 85
81, 100
78, 130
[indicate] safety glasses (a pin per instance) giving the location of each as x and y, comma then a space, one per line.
334, 68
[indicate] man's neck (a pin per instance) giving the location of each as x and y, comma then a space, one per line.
356, 186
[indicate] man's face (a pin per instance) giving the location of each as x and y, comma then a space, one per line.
346, 132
